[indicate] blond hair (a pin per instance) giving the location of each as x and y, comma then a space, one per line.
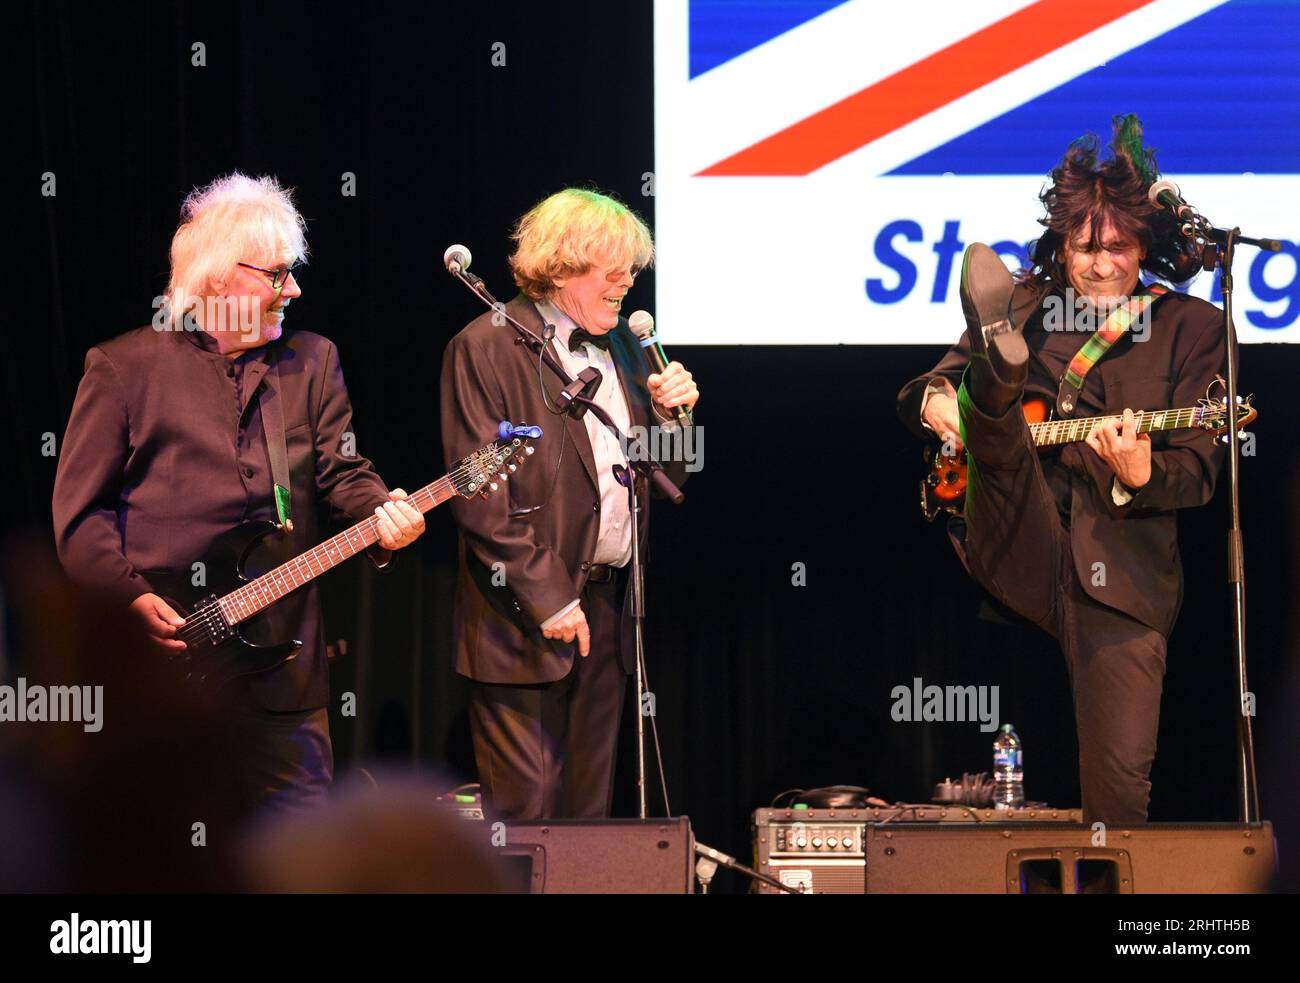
234, 218
571, 232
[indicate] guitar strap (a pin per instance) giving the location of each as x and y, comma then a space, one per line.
1117, 324
270, 405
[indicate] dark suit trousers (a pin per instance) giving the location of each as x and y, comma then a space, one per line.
1016, 546
288, 762
547, 751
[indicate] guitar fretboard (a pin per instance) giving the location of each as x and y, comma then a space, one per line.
1053, 432
259, 594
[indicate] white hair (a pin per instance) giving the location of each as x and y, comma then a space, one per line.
233, 219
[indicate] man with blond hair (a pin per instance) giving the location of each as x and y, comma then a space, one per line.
168, 447
540, 625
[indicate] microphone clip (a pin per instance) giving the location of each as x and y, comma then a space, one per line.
584, 387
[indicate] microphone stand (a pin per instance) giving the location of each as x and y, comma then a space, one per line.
1219, 248
707, 865
575, 398
638, 585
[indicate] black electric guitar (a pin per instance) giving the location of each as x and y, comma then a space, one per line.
943, 489
235, 623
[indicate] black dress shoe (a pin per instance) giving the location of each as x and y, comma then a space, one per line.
999, 358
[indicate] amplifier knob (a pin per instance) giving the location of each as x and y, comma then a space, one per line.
832, 842
801, 842
848, 842
817, 842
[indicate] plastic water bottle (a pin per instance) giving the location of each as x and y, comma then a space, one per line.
1008, 770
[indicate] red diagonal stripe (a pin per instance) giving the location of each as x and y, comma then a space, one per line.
923, 87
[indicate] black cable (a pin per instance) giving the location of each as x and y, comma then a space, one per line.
654, 730
548, 333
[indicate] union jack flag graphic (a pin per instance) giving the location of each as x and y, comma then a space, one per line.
795, 134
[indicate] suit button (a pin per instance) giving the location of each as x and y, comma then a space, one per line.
595, 506
586, 565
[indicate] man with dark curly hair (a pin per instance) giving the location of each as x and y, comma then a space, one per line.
1082, 541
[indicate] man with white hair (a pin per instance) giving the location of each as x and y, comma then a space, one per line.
168, 447
549, 644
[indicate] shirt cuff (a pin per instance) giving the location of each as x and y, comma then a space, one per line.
1119, 494
938, 385
559, 614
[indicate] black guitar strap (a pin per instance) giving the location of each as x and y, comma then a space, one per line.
270, 405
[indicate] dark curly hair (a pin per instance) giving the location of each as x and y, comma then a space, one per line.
1084, 188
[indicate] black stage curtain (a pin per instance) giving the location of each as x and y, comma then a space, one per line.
760, 685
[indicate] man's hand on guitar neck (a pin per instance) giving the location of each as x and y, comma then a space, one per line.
1128, 452
398, 523
159, 622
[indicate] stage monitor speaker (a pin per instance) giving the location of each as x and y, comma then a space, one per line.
822, 851
1159, 858
610, 856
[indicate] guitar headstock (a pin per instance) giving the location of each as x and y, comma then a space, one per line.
479, 473
1213, 411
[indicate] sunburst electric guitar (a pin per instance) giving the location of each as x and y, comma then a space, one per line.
943, 489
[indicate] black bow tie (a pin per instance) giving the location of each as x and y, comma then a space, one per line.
579, 335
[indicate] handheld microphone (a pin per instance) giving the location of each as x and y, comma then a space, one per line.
643, 326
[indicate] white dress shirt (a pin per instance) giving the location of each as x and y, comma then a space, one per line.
614, 540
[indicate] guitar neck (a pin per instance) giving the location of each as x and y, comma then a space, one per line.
259, 594
1053, 432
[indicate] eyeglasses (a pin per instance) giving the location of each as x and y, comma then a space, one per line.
278, 277
614, 276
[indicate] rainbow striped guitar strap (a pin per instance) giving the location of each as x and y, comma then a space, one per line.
1117, 324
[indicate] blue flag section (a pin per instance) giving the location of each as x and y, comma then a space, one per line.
723, 29
1221, 94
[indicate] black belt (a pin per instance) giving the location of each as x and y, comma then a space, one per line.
602, 573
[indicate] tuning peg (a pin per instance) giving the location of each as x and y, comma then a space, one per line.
492, 485
529, 450
503, 476
512, 468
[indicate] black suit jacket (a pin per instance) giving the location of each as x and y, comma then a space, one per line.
1138, 542
151, 470
487, 377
